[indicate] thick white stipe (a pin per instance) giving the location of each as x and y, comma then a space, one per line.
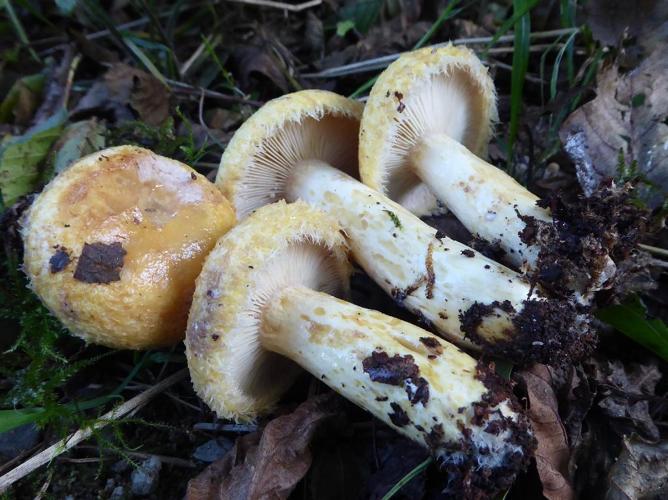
436, 278
485, 199
332, 338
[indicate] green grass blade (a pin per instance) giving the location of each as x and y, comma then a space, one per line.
363, 88
567, 15
541, 70
98, 15
557, 64
447, 13
407, 478
18, 27
509, 23
229, 82
632, 320
145, 60
10, 419
157, 25
520, 65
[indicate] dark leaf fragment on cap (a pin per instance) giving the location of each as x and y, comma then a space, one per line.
59, 260
100, 263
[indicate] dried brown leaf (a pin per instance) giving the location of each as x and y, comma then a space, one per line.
625, 390
150, 98
54, 95
629, 114
641, 471
609, 20
144, 92
118, 80
267, 464
263, 55
552, 453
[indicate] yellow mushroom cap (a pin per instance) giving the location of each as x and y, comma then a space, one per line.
280, 245
305, 125
431, 90
114, 243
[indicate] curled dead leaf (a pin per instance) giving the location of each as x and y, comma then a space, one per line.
553, 452
266, 464
141, 90
264, 55
641, 471
628, 117
626, 389
609, 20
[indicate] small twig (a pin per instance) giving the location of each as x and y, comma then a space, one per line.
70, 79
45, 486
205, 426
185, 67
533, 48
84, 433
85, 460
17, 459
200, 111
655, 250
192, 90
509, 67
181, 401
659, 263
181, 462
281, 5
384, 61
94, 36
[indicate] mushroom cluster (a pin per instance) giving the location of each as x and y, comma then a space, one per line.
427, 117
266, 304
302, 146
120, 247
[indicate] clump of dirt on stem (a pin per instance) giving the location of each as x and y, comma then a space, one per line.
583, 233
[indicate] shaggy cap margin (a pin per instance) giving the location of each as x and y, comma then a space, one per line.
400, 85
222, 354
290, 109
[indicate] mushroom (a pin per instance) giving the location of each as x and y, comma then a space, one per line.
301, 145
423, 93
265, 307
430, 143
114, 243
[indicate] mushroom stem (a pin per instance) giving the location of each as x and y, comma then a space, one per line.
485, 199
427, 389
433, 276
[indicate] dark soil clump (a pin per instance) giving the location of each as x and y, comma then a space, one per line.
467, 477
398, 370
490, 249
59, 260
398, 415
549, 331
390, 370
583, 233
